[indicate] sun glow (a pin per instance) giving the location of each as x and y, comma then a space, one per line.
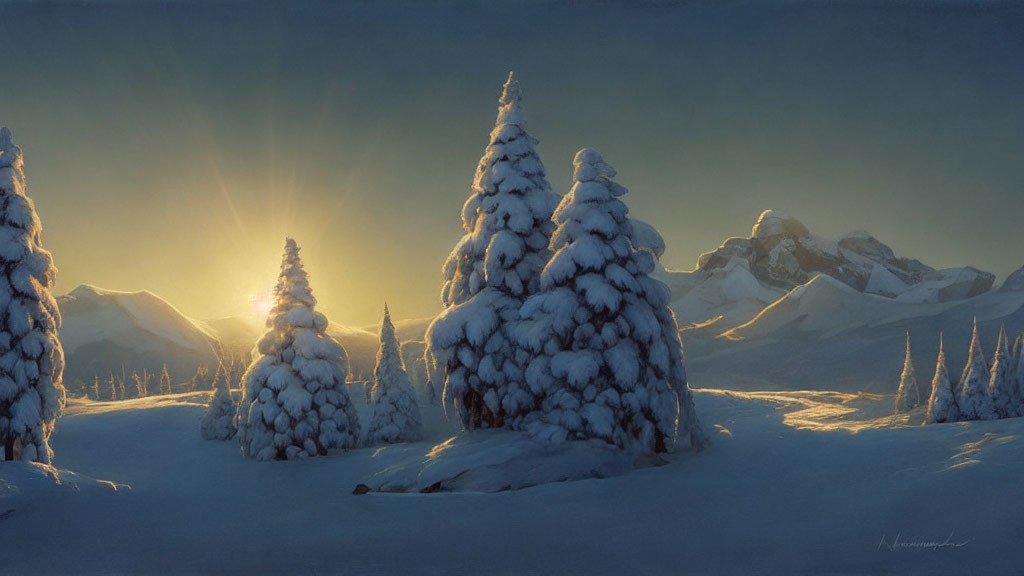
260, 304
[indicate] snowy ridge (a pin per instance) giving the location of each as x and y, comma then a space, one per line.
94, 314
847, 341
106, 332
823, 305
730, 295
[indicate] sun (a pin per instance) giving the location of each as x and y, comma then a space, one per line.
260, 304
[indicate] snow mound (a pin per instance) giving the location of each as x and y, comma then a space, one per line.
26, 487
496, 461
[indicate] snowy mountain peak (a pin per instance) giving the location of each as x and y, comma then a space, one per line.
105, 329
782, 253
774, 223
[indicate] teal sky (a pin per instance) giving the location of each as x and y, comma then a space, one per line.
173, 146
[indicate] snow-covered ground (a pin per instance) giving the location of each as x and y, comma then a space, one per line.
792, 483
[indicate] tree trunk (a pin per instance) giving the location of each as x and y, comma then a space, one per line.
9, 448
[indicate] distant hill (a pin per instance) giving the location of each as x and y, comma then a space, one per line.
105, 331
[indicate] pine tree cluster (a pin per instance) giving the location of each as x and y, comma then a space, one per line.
553, 322
983, 392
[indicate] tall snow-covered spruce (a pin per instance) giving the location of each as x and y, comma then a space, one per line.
32, 393
219, 421
942, 403
396, 413
972, 397
907, 396
492, 269
294, 402
1000, 384
608, 361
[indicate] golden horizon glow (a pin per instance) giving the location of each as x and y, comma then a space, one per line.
153, 168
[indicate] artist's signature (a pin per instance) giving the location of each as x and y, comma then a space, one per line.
898, 543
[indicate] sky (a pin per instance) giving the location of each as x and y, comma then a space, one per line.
173, 146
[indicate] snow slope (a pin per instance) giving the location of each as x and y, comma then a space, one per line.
719, 299
793, 483
824, 336
827, 307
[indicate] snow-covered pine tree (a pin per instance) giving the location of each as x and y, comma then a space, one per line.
1000, 386
972, 398
294, 402
219, 421
32, 393
608, 362
942, 403
907, 396
492, 269
396, 413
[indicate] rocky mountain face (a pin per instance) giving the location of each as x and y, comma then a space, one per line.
782, 253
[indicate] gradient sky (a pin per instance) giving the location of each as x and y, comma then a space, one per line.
173, 146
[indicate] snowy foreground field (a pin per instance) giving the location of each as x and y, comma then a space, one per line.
793, 483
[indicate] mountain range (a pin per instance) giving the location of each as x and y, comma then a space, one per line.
781, 309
